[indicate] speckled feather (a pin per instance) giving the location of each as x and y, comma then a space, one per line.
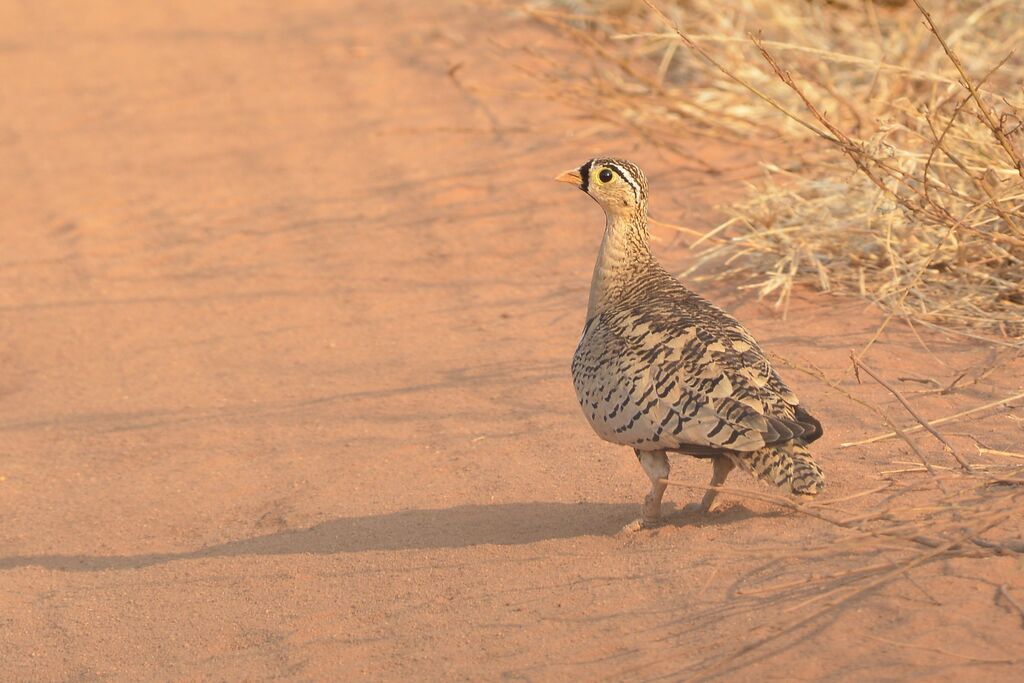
660, 368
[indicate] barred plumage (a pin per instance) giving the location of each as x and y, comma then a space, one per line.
660, 369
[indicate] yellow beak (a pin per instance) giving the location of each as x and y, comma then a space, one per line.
572, 177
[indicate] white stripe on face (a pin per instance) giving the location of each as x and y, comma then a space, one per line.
625, 175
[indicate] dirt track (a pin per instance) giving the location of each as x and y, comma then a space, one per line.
287, 302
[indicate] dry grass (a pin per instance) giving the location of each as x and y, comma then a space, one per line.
902, 174
902, 181
922, 513
800, 590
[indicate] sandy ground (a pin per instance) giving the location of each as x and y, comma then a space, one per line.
287, 303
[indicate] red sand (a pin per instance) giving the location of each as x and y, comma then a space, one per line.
287, 314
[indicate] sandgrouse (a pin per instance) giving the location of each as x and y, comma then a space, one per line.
662, 370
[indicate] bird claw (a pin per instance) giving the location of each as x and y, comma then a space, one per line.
640, 525
701, 509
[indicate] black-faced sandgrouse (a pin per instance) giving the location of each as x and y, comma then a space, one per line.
662, 370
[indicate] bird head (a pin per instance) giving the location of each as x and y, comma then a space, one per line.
617, 185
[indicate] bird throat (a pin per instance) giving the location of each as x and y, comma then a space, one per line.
625, 253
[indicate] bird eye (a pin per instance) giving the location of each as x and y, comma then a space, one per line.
605, 175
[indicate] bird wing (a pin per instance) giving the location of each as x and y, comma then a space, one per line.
686, 377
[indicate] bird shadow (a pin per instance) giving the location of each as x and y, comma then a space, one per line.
457, 527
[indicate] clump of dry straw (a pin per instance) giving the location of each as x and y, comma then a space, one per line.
894, 129
894, 133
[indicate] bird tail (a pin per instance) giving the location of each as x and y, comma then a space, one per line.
788, 466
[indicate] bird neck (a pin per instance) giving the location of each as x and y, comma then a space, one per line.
625, 252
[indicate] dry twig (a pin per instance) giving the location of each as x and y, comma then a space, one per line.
930, 226
859, 365
935, 423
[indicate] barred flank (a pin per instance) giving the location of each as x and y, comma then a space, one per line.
787, 466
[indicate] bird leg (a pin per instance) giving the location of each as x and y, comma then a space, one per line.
655, 464
723, 466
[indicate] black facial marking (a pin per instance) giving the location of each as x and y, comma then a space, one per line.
618, 171
585, 175
625, 177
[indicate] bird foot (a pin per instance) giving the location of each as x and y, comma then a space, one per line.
640, 525
701, 509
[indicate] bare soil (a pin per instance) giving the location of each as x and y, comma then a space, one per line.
287, 303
